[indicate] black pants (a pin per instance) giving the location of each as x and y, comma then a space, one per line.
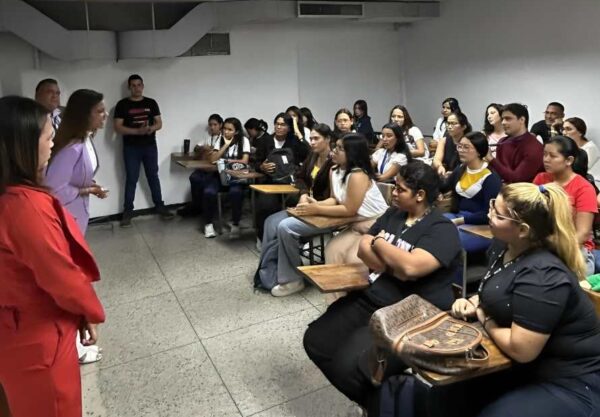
338, 342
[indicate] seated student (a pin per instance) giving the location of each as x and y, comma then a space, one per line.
421, 258
473, 185
362, 120
492, 126
193, 208
394, 153
343, 123
256, 130
519, 155
446, 155
300, 129
575, 128
532, 307
552, 122
308, 119
233, 147
353, 193
283, 137
312, 180
412, 134
562, 164
449, 106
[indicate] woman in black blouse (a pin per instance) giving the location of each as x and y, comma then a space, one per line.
531, 305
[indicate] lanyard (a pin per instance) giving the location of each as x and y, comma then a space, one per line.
493, 271
383, 162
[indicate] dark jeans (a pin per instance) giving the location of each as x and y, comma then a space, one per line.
206, 186
338, 343
135, 156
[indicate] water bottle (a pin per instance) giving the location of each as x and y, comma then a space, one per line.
221, 165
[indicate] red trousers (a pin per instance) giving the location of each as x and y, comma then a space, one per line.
39, 369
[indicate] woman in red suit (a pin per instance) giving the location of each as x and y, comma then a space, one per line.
46, 274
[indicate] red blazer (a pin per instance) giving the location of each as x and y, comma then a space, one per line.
46, 268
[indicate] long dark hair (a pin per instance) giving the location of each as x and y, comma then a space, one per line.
310, 119
401, 146
75, 120
356, 149
580, 125
462, 121
453, 103
362, 105
290, 124
488, 128
408, 121
567, 147
337, 133
238, 137
296, 111
21, 125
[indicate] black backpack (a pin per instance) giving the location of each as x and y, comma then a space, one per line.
285, 166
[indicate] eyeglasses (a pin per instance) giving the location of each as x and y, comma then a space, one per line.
338, 149
494, 212
280, 124
465, 148
452, 123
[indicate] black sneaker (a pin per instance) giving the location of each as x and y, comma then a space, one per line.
188, 211
126, 219
164, 213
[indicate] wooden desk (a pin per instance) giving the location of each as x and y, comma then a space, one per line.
198, 164
275, 188
325, 222
482, 230
244, 175
333, 278
497, 361
180, 156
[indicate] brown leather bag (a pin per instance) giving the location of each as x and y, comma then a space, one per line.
424, 337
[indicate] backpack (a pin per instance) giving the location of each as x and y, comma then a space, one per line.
285, 166
227, 179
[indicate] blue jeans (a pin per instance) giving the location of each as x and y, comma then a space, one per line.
206, 186
471, 243
135, 156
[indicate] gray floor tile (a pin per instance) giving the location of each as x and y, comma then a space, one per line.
222, 306
130, 277
179, 383
143, 328
212, 262
313, 295
265, 364
327, 402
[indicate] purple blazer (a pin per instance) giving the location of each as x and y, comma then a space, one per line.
69, 171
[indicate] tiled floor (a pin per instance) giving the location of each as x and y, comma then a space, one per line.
186, 336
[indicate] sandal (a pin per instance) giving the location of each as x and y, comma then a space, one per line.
91, 354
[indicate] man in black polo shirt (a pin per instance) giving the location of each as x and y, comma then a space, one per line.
552, 123
137, 118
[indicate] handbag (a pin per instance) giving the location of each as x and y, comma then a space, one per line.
424, 337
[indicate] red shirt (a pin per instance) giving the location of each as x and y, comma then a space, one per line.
518, 159
46, 268
581, 193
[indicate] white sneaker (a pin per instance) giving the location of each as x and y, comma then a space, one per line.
234, 232
209, 231
283, 290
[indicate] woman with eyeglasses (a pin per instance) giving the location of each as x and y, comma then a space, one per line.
449, 106
411, 249
563, 165
446, 156
472, 185
46, 274
353, 193
343, 121
531, 305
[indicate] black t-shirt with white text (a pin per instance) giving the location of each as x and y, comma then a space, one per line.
434, 234
539, 293
137, 114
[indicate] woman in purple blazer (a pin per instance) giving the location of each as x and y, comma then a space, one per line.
74, 162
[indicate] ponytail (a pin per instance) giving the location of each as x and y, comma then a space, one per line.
547, 211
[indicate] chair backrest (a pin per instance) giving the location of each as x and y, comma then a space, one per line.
386, 190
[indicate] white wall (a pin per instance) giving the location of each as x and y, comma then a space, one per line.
270, 68
483, 51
